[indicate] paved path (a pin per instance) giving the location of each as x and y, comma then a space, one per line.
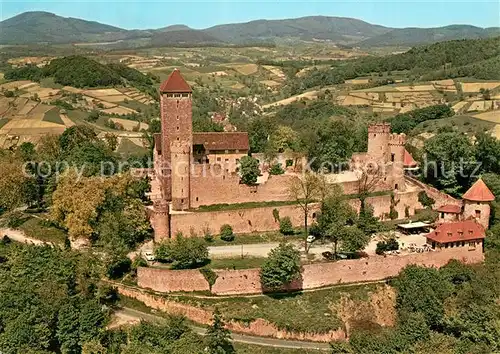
128, 314
19, 236
261, 249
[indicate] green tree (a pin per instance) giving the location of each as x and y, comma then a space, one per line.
286, 227
183, 252
281, 267
305, 190
249, 170
367, 222
226, 233
111, 140
218, 337
336, 218
451, 161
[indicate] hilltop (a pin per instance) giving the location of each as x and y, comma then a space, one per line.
45, 27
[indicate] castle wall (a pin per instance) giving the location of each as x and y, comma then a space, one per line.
440, 198
261, 219
215, 186
233, 282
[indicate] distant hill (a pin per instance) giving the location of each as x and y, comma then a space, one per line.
418, 36
34, 27
45, 27
347, 30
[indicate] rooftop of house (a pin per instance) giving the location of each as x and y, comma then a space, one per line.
467, 230
215, 141
479, 192
222, 141
450, 208
408, 160
175, 83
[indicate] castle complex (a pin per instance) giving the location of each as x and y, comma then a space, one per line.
201, 169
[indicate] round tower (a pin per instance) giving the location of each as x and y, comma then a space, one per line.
396, 157
181, 169
378, 142
161, 220
477, 203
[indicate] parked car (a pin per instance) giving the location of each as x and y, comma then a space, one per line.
149, 256
310, 238
344, 255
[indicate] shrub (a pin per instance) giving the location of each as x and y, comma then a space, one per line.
15, 219
226, 233
425, 200
119, 268
384, 246
286, 227
281, 267
315, 230
210, 276
184, 252
8, 93
276, 169
207, 235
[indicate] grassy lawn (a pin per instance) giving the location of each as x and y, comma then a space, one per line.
245, 239
247, 205
49, 83
243, 348
127, 147
135, 105
77, 116
304, 312
35, 228
53, 116
3, 121
461, 123
237, 263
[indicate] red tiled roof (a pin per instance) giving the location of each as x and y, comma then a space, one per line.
479, 192
408, 160
222, 141
175, 83
450, 208
457, 231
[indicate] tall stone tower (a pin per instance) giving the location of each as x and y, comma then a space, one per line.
378, 142
176, 139
477, 203
396, 157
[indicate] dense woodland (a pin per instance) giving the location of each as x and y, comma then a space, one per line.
475, 58
79, 71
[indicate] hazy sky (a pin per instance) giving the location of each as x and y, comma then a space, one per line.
201, 14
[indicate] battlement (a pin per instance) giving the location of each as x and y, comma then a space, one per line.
380, 128
397, 139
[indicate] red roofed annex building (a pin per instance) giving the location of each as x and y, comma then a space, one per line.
457, 234
464, 225
475, 205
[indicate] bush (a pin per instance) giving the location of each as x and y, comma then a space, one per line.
14, 219
286, 227
8, 93
281, 267
210, 276
425, 200
207, 235
226, 233
276, 169
385, 246
184, 253
119, 268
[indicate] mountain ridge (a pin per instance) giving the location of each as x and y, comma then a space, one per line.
44, 27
